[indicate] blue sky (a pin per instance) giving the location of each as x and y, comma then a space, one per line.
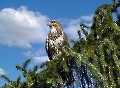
23, 28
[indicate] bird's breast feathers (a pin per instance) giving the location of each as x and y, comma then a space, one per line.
53, 30
56, 42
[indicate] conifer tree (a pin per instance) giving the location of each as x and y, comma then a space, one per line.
96, 58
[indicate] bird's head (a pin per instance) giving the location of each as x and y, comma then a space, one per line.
53, 23
55, 27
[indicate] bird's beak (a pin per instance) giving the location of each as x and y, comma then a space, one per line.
49, 24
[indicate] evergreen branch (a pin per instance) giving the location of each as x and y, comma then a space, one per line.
35, 68
84, 26
18, 81
44, 64
79, 34
25, 64
91, 67
115, 5
6, 78
18, 67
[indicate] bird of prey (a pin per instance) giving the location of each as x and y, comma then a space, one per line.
54, 42
55, 39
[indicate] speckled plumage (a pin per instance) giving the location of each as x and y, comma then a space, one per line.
54, 42
55, 39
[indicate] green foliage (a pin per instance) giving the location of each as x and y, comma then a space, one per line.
100, 51
33, 78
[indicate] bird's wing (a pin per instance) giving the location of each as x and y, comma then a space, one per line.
47, 46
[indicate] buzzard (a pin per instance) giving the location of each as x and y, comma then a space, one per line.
54, 42
55, 39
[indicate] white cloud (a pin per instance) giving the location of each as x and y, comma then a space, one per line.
41, 59
32, 53
72, 25
71, 30
37, 56
21, 27
87, 18
2, 72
